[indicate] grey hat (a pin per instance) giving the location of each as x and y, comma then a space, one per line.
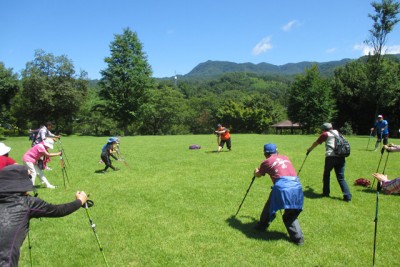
326, 126
15, 179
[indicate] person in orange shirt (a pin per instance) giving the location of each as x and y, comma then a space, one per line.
224, 137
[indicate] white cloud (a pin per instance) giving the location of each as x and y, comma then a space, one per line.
263, 46
366, 50
395, 49
287, 27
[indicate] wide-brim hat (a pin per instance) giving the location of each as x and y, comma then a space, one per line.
49, 143
4, 149
113, 139
15, 179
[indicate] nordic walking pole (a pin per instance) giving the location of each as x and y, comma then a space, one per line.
308, 152
379, 186
376, 225
248, 189
377, 169
370, 135
29, 237
88, 204
63, 151
122, 158
63, 169
30, 249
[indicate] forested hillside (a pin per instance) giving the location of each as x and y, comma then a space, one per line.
215, 68
245, 97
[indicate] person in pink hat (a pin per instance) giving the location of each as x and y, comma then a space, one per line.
5, 160
32, 156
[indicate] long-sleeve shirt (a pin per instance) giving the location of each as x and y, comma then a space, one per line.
15, 212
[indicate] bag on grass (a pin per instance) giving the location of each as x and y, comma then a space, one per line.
194, 147
362, 182
342, 146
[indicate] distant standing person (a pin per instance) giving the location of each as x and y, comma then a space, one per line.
17, 208
287, 193
382, 131
44, 132
5, 160
224, 137
332, 161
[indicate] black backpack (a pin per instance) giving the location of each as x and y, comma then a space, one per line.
33, 135
342, 146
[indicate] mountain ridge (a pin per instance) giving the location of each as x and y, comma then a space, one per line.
211, 68
214, 68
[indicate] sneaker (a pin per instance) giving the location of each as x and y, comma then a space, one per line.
48, 168
116, 169
50, 186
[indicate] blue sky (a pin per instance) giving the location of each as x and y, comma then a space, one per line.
177, 35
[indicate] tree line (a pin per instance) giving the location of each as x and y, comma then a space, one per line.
128, 101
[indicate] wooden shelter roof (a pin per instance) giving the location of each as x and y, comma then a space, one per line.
286, 124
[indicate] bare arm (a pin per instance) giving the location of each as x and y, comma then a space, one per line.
314, 145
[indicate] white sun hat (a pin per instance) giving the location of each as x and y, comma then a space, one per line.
4, 149
49, 143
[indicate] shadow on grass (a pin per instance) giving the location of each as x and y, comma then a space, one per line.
250, 232
216, 152
370, 190
310, 193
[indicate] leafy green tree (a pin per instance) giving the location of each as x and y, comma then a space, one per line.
253, 114
126, 80
52, 90
310, 101
165, 112
384, 20
349, 87
90, 119
203, 112
9, 87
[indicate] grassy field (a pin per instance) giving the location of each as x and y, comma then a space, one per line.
171, 206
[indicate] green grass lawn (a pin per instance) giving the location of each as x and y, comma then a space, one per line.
171, 206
